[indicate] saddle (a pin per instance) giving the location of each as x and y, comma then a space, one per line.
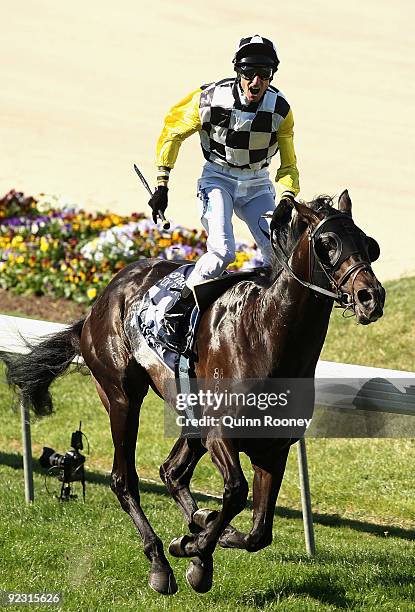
208, 292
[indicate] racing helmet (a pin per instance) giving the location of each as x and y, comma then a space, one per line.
256, 50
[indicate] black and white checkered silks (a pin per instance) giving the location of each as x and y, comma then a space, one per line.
236, 135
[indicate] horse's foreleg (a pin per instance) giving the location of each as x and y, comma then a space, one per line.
225, 456
176, 473
266, 486
124, 418
201, 546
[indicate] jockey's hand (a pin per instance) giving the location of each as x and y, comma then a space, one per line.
286, 207
158, 201
288, 200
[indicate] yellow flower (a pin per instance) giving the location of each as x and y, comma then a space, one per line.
44, 245
16, 240
91, 293
241, 257
20, 259
2, 266
164, 242
64, 267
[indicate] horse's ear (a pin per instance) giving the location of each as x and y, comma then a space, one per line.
345, 203
308, 215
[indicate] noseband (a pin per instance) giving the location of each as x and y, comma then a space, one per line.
346, 246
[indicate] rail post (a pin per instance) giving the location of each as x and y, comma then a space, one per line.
306, 498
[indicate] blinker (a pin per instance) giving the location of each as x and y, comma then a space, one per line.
353, 241
373, 248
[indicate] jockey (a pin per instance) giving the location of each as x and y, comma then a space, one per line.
242, 123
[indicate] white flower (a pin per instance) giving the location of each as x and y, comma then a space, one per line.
46, 201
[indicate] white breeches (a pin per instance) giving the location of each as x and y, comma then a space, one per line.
221, 191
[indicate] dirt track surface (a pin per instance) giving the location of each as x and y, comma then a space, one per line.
43, 307
85, 87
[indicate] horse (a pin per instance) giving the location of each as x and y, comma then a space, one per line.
272, 325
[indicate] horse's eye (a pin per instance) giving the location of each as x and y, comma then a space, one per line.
326, 249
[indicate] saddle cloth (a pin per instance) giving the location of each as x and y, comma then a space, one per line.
147, 313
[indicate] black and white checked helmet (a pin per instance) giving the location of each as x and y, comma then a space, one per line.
256, 50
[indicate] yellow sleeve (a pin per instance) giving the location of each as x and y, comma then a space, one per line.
287, 177
181, 121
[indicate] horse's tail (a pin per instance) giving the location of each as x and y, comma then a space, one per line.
33, 372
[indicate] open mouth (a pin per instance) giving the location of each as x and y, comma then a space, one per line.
254, 90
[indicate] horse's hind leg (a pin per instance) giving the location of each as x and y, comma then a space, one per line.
176, 473
123, 405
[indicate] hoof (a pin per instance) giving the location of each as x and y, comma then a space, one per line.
199, 574
163, 582
177, 546
204, 516
232, 538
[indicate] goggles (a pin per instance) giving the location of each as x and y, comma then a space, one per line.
249, 72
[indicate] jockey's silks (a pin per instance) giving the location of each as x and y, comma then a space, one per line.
232, 133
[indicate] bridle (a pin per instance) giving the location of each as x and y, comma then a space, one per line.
345, 248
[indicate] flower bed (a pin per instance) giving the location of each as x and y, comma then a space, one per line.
50, 246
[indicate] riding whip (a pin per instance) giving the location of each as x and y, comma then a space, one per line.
166, 224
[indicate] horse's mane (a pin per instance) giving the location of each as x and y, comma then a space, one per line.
322, 203
292, 229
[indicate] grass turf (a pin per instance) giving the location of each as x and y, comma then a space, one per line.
361, 494
91, 554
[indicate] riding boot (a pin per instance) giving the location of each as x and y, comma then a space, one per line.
176, 320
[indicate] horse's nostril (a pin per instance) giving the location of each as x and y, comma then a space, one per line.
365, 297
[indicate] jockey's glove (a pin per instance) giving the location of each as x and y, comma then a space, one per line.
288, 199
158, 201
286, 207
